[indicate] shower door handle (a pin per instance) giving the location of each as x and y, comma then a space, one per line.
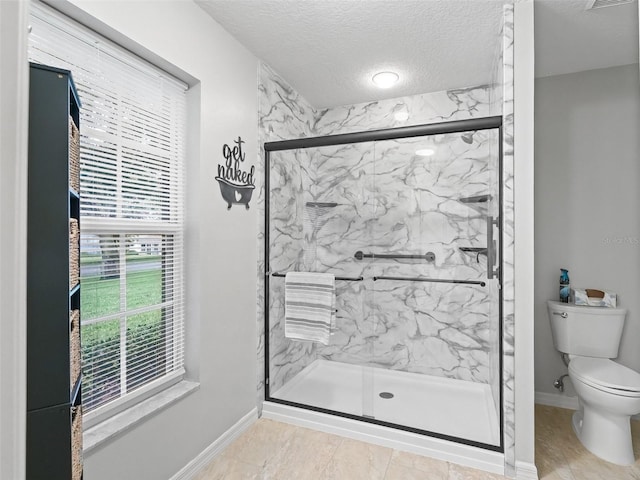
491, 248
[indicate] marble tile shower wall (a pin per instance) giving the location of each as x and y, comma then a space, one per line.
436, 107
391, 201
283, 114
495, 105
508, 238
290, 187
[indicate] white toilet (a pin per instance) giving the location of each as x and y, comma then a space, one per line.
608, 393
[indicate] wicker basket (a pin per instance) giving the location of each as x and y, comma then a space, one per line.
74, 156
74, 253
74, 342
76, 443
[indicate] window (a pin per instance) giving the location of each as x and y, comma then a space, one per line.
132, 134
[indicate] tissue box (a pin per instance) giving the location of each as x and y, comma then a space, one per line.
594, 298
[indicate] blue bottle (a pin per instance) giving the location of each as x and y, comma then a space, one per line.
565, 287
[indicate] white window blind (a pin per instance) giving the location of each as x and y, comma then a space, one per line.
131, 171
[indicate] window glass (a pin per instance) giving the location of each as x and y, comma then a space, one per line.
132, 129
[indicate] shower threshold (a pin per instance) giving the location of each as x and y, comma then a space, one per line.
451, 407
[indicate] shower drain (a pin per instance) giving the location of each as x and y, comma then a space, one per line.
386, 395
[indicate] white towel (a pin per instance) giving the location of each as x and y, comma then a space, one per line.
309, 306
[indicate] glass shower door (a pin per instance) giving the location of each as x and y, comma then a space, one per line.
410, 228
319, 211
434, 297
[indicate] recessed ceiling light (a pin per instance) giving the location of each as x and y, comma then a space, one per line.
425, 152
385, 79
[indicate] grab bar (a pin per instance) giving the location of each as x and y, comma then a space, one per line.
349, 279
429, 256
434, 280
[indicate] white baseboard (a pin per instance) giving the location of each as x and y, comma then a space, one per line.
562, 401
526, 471
555, 400
191, 469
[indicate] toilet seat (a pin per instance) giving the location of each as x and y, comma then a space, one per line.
606, 375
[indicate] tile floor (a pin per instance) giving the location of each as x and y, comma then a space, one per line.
561, 456
278, 451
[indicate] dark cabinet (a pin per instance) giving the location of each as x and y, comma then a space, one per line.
54, 411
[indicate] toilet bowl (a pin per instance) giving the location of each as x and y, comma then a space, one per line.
609, 394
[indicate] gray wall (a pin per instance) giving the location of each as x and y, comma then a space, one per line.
221, 246
587, 200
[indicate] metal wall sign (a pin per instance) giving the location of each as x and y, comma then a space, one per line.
236, 184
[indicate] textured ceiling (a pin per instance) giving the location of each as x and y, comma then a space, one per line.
570, 38
329, 49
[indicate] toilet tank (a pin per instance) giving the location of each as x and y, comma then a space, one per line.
586, 331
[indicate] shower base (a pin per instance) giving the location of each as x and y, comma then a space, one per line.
456, 408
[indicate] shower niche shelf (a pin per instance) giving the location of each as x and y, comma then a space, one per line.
477, 202
476, 199
321, 204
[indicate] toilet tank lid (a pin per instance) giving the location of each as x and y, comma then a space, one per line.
605, 372
585, 309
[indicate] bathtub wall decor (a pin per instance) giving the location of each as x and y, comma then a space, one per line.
236, 184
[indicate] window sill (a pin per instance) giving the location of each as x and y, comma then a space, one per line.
116, 425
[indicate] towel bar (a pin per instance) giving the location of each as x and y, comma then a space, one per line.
349, 279
434, 280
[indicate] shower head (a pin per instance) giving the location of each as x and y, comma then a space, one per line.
468, 137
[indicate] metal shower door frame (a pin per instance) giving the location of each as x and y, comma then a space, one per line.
457, 126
